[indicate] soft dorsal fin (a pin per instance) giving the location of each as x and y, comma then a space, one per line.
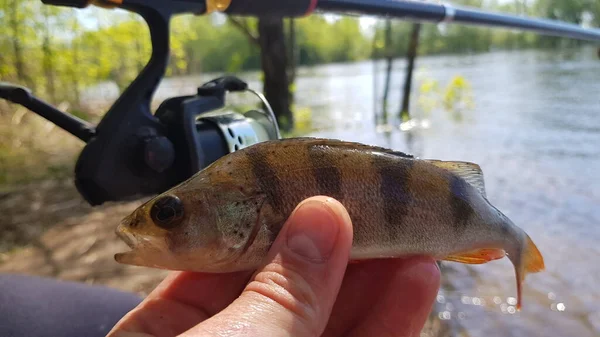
346, 144
470, 172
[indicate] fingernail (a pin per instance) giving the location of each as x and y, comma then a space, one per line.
313, 231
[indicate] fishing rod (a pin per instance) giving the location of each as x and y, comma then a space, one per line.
133, 152
413, 10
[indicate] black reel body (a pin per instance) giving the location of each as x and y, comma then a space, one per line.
186, 134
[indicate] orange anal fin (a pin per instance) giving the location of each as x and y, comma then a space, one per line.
478, 256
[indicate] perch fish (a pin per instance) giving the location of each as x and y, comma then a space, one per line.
226, 217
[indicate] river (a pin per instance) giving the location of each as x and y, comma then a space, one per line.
535, 130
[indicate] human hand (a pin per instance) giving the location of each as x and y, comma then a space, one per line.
306, 288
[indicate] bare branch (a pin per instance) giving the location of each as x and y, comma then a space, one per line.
245, 29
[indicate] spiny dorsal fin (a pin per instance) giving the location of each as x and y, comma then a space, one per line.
470, 172
346, 144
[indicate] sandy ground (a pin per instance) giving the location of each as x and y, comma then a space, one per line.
48, 230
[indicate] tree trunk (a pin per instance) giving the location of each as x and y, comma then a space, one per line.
274, 64
411, 56
388, 72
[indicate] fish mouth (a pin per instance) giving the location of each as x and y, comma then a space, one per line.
126, 236
139, 248
128, 257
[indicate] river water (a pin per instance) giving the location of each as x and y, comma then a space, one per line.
535, 130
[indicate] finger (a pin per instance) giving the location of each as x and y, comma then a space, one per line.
364, 284
409, 297
210, 293
181, 301
293, 294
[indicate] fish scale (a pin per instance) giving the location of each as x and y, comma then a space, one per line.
232, 211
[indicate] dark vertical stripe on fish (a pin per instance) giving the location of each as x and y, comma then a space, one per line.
458, 200
327, 173
267, 177
394, 190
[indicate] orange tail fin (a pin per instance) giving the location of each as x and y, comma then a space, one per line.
532, 261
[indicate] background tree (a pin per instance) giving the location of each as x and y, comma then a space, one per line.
269, 37
410, 58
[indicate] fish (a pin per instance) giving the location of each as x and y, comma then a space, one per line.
225, 217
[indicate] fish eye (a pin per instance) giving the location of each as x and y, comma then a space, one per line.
167, 212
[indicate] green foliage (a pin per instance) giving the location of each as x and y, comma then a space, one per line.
216, 47
319, 41
428, 96
454, 99
303, 123
458, 97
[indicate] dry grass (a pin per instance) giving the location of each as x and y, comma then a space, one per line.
32, 148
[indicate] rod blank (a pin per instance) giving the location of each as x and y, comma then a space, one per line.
433, 12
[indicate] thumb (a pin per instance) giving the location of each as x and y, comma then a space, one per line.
293, 294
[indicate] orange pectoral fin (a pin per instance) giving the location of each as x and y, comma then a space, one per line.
478, 256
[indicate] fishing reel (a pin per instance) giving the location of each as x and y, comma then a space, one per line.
149, 154
132, 152
189, 133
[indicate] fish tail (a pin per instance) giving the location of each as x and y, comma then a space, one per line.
527, 259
